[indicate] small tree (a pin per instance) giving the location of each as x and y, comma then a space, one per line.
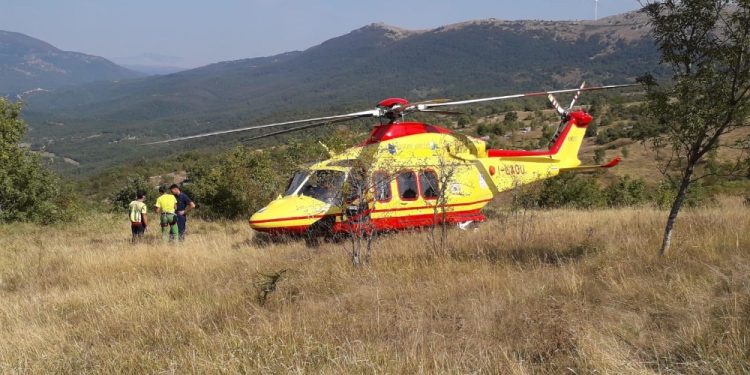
127, 194
441, 188
28, 191
599, 156
510, 117
707, 45
243, 181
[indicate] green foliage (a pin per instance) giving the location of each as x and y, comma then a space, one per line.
625, 152
242, 182
28, 191
584, 191
707, 46
609, 134
666, 192
464, 121
547, 133
343, 75
592, 129
128, 193
599, 156
626, 192
566, 190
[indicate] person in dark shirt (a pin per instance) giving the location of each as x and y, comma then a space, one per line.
184, 205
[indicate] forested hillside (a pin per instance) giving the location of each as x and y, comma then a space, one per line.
102, 124
29, 65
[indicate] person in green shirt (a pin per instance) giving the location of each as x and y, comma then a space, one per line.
166, 205
138, 218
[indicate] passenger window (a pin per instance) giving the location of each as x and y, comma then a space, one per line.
429, 182
407, 185
382, 187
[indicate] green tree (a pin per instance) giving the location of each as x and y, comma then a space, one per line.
28, 191
127, 194
592, 129
599, 156
626, 192
706, 43
242, 182
570, 190
464, 121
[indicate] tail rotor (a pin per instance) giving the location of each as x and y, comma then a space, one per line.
564, 113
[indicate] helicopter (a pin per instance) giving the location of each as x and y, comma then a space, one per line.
415, 174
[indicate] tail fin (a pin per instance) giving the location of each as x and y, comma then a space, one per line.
568, 142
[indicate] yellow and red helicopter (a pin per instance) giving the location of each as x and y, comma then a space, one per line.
413, 170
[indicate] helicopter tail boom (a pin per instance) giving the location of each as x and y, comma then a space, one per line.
565, 148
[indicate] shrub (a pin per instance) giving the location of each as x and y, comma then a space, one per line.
664, 195
241, 183
626, 192
569, 190
127, 194
28, 191
582, 191
599, 156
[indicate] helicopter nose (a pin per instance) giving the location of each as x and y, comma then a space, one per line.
293, 214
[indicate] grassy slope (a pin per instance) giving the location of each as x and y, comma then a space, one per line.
540, 292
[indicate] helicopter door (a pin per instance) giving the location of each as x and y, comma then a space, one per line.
408, 190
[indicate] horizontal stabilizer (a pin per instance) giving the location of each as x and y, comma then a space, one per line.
592, 168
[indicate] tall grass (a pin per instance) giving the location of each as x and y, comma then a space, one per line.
562, 291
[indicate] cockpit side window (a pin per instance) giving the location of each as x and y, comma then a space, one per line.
324, 185
407, 185
382, 186
295, 182
429, 182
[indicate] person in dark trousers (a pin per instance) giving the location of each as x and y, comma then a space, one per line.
184, 205
138, 219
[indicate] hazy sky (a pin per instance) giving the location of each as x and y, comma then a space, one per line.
202, 32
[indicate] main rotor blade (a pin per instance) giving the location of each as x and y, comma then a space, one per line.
350, 116
303, 127
556, 105
541, 93
575, 98
440, 112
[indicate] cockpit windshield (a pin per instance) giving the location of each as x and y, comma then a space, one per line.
295, 182
324, 185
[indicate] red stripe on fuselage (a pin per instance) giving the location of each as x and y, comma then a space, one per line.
417, 218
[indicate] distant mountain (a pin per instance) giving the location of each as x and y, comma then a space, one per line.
152, 63
28, 64
102, 122
154, 69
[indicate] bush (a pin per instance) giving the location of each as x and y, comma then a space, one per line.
127, 194
599, 156
241, 183
28, 191
626, 192
566, 190
592, 130
583, 191
665, 194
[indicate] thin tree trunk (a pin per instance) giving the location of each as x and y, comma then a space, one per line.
676, 206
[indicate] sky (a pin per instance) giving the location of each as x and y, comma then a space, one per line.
190, 33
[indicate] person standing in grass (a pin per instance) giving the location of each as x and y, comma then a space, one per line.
184, 205
166, 205
138, 217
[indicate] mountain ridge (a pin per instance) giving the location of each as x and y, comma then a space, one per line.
478, 57
27, 63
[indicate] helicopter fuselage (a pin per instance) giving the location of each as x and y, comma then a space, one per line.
418, 175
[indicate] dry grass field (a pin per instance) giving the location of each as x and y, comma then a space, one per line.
542, 292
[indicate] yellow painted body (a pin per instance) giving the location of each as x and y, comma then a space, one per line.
476, 176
